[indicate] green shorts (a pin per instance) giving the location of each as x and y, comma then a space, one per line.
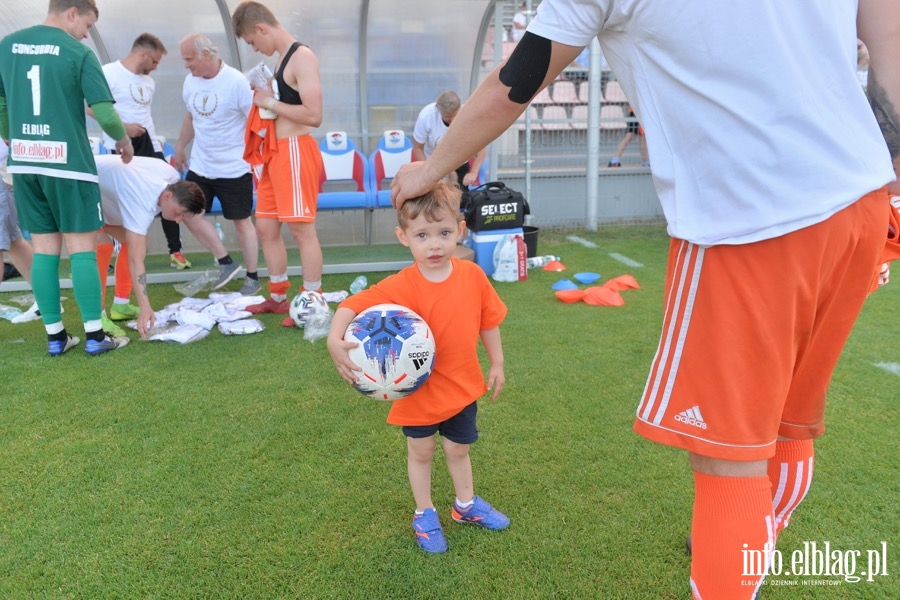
57, 205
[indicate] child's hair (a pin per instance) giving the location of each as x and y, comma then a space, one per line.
434, 205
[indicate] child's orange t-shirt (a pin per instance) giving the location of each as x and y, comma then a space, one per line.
457, 310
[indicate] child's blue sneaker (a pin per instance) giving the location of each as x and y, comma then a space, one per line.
429, 534
480, 513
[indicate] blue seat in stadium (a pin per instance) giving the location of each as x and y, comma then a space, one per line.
343, 184
394, 150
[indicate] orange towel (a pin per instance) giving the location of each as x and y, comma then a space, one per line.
259, 138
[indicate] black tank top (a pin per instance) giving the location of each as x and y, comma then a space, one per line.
286, 93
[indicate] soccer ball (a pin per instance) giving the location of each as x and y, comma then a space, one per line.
395, 350
305, 303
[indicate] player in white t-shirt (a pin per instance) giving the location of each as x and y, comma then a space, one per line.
218, 100
432, 124
133, 89
771, 172
519, 23
132, 195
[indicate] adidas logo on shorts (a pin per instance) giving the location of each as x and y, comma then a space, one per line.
691, 416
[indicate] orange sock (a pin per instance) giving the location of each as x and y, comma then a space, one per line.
790, 471
278, 289
732, 523
123, 274
104, 255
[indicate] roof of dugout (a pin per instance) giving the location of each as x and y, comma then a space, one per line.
380, 60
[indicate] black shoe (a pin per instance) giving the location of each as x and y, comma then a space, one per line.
689, 545
10, 271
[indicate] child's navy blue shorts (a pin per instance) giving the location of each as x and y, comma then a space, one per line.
460, 428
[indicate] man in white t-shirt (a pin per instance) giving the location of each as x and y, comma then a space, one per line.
218, 100
133, 89
519, 23
773, 174
432, 124
132, 195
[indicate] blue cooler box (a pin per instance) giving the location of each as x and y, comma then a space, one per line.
483, 245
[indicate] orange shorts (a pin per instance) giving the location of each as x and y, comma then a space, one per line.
288, 185
751, 334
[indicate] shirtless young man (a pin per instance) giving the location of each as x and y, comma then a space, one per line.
289, 181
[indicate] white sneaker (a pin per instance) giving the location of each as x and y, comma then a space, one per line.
32, 314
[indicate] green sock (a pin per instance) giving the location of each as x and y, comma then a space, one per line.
45, 283
86, 284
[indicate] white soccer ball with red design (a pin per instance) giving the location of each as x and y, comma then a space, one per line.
395, 350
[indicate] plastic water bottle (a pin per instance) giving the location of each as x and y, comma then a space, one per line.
359, 284
219, 232
540, 261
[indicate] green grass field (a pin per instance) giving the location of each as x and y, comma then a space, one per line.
243, 467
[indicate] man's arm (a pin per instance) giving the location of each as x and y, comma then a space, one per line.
137, 252
184, 138
485, 115
108, 119
472, 176
133, 130
418, 151
878, 24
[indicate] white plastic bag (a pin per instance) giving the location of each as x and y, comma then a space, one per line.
506, 259
318, 323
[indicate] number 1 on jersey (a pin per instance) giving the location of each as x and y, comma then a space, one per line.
34, 74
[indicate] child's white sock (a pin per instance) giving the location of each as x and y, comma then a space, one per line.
465, 505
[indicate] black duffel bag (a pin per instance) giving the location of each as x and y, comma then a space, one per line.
493, 206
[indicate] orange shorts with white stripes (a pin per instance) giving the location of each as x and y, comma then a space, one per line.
288, 186
751, 334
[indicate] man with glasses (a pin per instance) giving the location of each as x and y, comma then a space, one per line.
133, 89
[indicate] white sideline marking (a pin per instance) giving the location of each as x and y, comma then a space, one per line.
893, 368
582, 241
625, 260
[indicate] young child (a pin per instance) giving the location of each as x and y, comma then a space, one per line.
459, 304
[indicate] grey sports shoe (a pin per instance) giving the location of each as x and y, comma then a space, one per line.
250, 287
226, 274
109, 342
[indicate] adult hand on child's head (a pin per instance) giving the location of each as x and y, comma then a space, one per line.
412, 180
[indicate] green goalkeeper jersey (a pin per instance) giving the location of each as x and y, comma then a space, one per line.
47, 76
